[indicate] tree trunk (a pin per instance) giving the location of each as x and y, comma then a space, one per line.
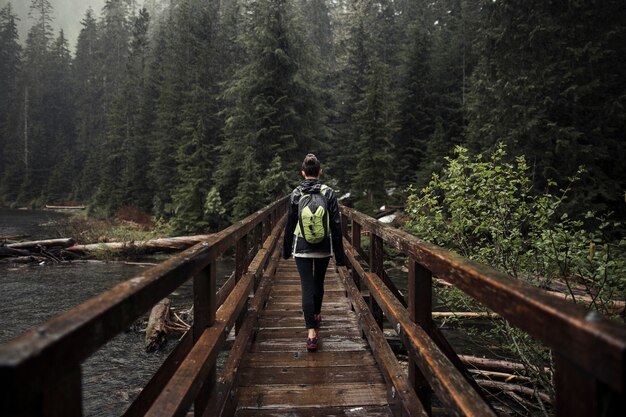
162, 244
48, 243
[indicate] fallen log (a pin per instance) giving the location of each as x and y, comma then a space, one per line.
52, 207
48, 243
496, 365
156, 332
519, 389
507, 377
613, 306
465, 314
154, 245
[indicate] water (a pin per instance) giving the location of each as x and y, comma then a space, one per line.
32, 294
36, 224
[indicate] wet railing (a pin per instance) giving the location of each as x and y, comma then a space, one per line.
40, 371
589, 350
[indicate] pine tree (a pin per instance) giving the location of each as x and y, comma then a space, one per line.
88, 81
368, 94
10, 61
374, 141
415, 108
352, 80
59, 105
272, 104
37, 121
124, 180
549, 84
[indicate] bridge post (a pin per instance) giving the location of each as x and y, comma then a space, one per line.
376, 266
580, 394
241, 267
420, 310
204, 308
356, 244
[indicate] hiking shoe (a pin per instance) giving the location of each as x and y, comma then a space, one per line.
311, 344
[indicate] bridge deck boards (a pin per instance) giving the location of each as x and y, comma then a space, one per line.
279, 377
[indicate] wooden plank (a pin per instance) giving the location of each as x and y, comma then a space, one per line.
360, 411
312, 360
420, 307
523, 305
223, 401
148, 394
449, 384
300, 333
291, 320
74, 335
295, 396
326, 343
204, 308
391, 370
321, 375
579, 394
189, 378
64, 397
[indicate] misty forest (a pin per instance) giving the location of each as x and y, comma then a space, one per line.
199, 112
492, 128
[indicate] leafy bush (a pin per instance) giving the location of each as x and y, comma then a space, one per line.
486, 209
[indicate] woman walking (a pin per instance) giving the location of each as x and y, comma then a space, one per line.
312, 236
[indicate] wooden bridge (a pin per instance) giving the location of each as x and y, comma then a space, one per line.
354, 373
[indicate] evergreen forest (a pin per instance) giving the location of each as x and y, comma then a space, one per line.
199, 112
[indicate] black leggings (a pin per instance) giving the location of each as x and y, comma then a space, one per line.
312, 272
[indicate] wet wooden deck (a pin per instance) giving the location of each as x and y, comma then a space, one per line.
280, 378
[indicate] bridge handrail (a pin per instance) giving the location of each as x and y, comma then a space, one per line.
579, 334
42, 365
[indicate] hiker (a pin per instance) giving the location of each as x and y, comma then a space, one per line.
312, 236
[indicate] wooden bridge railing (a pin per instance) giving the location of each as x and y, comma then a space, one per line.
589, 351
40, 371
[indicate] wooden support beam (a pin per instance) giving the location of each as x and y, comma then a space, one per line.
392, 372
449, 384
523, 305
420, 304
376, 260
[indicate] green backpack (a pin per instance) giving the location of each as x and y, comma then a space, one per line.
313, 220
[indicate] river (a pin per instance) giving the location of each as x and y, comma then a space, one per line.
32, 294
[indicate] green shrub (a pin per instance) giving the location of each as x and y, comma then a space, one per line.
486, 209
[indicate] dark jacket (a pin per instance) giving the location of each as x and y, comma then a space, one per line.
302, 246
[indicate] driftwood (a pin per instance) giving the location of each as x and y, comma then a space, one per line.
35, 251
465, 314
50, 207
48, 243
613, 306
153, 245
156, 332
519, 389
499, 375
495, 365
